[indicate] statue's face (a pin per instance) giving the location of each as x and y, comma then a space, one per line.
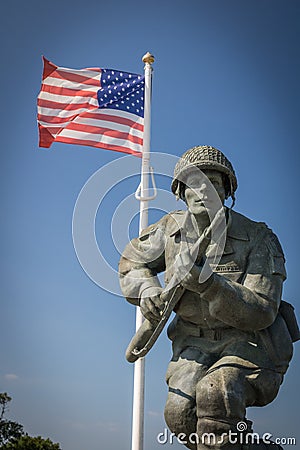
198, 190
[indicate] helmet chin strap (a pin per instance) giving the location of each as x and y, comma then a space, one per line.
232, 195
233, 201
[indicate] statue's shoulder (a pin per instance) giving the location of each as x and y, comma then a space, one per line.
168, 222
256, 231
239, 220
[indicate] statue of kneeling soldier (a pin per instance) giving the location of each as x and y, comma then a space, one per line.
232, 335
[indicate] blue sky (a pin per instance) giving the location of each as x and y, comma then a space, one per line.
227, 75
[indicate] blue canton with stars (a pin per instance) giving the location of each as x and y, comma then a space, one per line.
123, 91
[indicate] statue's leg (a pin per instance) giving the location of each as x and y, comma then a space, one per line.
222, 396
180, 410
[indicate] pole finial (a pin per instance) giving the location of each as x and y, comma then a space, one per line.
148, 58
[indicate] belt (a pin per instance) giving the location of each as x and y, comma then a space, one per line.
191, 329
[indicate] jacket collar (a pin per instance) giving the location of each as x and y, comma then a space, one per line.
235, 230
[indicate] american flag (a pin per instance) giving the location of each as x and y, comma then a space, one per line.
97, 107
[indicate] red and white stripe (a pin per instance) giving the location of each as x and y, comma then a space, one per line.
68, 111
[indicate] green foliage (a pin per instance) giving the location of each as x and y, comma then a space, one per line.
4, 400
9, 430
31, 443
12, 435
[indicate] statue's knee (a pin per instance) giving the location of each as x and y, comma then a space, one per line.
209, 392
220, 395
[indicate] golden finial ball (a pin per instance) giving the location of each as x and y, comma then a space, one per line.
148, 58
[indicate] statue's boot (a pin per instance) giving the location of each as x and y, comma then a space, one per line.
216, 434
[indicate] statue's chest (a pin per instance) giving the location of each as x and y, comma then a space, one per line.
230, 261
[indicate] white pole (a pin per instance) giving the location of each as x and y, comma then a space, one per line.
139, 365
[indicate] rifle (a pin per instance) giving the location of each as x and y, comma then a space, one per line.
148, 333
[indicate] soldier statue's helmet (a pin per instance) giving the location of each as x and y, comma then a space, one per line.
204, 157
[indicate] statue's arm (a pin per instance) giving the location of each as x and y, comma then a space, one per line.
252, 305
141, 261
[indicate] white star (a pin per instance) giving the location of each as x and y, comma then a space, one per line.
129, 76
112, 72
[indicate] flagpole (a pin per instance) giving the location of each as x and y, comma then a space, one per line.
139, 365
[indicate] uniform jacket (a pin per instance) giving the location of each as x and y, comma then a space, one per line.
240, 302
